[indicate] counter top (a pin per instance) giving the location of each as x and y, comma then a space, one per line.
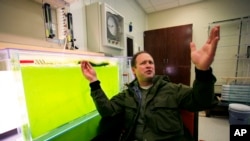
24, 43
46, 49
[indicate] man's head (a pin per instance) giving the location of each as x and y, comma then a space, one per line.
143, 67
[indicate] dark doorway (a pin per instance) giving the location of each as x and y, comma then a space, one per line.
130, 46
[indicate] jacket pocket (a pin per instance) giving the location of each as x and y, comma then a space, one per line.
165, 117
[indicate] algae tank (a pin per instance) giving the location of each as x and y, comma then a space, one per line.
57, 93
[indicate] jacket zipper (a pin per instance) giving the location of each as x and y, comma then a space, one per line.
139, 98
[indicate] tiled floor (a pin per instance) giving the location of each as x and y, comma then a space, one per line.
214, 128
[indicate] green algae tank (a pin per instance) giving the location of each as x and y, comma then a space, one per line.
58, 94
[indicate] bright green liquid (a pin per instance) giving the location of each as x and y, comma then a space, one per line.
59, 94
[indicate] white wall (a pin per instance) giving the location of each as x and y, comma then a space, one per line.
200, 15
23, 20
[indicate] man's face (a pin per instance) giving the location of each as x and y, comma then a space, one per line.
144, 68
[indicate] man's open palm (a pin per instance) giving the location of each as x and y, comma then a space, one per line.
204, 57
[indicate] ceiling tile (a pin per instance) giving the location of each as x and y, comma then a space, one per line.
159, 2
166, 6
185, 2
144, 3
150, 6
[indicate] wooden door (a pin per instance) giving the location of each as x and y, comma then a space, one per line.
170, 50
155, 45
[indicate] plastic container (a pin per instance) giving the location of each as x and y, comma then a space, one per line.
239, 114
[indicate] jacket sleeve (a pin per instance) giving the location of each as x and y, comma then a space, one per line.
202, 95
203, 87
104, 105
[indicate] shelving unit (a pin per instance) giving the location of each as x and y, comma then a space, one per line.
232, 61
232, 53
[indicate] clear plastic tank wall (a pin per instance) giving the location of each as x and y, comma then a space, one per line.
13, 117
127, 73
57, 96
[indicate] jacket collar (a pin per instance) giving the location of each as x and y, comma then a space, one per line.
157, 81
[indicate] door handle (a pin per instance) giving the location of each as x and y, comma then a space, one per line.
165, 61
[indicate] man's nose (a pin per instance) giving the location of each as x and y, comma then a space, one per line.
148, 65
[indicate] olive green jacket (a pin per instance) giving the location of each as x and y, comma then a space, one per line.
162, 106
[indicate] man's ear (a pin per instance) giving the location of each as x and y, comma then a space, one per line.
133, 70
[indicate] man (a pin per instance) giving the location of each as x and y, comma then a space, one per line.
150, 107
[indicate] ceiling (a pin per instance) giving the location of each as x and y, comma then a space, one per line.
150, 6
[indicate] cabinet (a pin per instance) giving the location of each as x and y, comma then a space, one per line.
232, 63
170, 50
231, 58
105, 29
